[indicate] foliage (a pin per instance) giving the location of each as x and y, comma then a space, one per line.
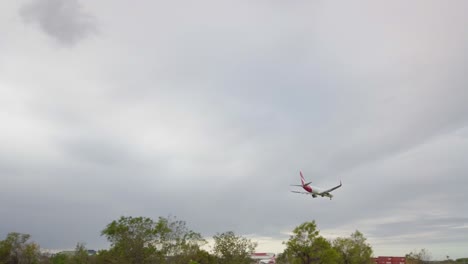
107, 257
141, 240
15, 249
421, 257
232, 249
179, 242
203, 257
353, 250
5, 249
144, 241
59, 258
281, 258
305, 246
81, 255
133, 239
31, 253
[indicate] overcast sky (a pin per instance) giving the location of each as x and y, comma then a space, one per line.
207, 110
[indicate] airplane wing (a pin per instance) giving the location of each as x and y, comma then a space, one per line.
332, 189
301, 192
312, 194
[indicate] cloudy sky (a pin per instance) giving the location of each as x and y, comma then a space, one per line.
207, 110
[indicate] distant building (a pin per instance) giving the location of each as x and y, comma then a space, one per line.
389, 260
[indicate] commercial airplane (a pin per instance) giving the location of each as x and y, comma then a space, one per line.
314, 191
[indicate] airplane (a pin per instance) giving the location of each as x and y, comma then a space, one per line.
314, 191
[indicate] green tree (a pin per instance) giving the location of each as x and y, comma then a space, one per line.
31, 254
141, 240
353, 250
232, 249
133, 239
421, 257
281, 258
59, 258
305, 246
203, 257
80, 256
179, 242
15, 249
107, 257
5, 249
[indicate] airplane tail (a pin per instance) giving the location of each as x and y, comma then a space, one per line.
302, 178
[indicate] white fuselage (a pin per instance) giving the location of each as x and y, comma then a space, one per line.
314, 191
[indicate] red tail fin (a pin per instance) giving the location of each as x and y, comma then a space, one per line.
302, 178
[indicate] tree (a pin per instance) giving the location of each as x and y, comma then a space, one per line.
81, 254
133, 239
353, 250
305, 246
5, 249
232, 249
59, 258
179, 242
203, 257
421, 257
15, 249
141, 240
281, 258
31, 254
107, 257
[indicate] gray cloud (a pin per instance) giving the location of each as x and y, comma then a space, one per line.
66, 21
209, 117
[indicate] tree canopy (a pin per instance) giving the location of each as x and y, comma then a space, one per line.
353, 250
16, 249
305, 246
233, 249
418, 257
141, 240
168, 240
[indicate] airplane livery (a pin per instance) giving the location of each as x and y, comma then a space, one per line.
315, 191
